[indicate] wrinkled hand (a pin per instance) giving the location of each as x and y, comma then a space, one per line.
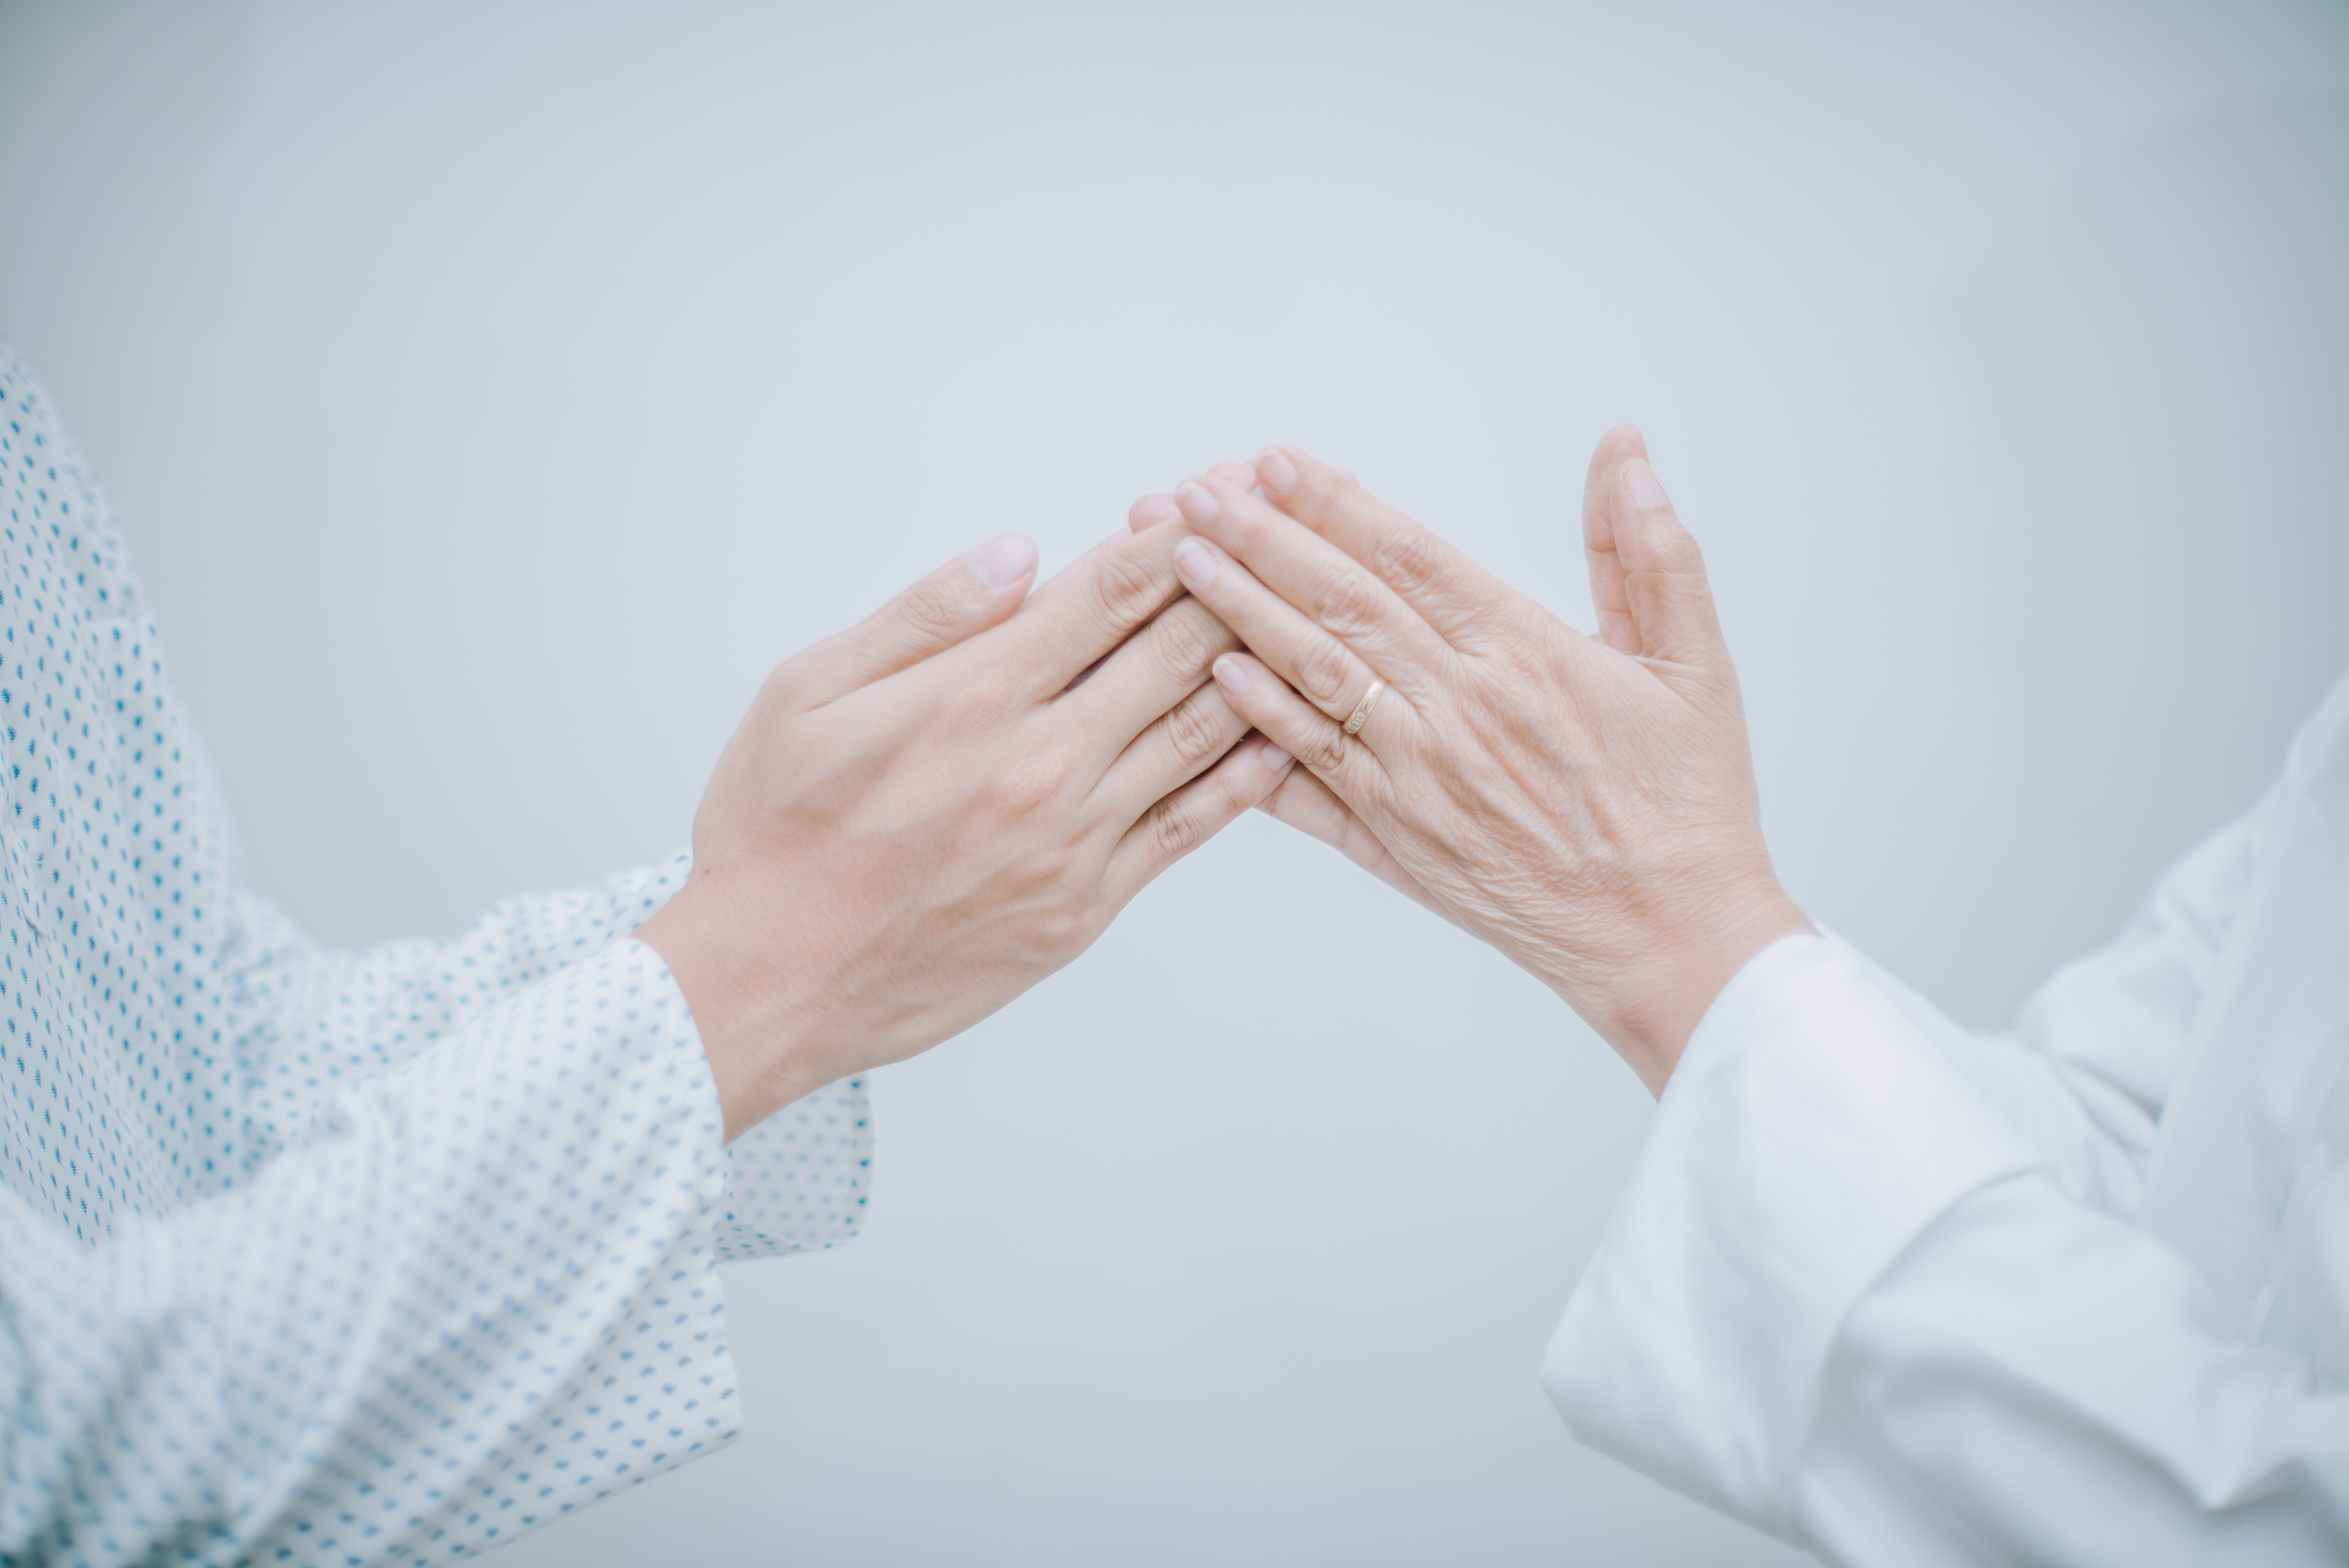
922, 817
1586, 805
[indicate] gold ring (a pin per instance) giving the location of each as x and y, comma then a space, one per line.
1361, 712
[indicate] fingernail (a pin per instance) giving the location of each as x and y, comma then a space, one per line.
1646, 492
1272, 757
1149, 512
1003, 560
1232, 675
1275, 470
1194, 563
1197, 502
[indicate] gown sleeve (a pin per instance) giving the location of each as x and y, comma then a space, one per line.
309, 1020
475, 1291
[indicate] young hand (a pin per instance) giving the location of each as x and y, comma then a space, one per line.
922, 817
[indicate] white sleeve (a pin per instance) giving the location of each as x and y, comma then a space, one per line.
2086, 1074
1845, 1299
1807, 1136
307, 1022
2036, 1383
477, 1292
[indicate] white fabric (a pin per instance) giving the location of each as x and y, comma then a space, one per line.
314, 1257
2077, 1295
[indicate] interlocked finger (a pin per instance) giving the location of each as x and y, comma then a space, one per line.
1353, 771
1459, 599
1193, 814
1321, 669
1135, 687
1088, 609
1324, 585
1183, 744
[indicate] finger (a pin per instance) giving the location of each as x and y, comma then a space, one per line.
1599, 490
1185, 743
1151, 511
953, 604
1195, 814
1664, 583
1321, 669
1327, 586
1305, 803
1351, 771
1158, 666
1450, 592
1087, 610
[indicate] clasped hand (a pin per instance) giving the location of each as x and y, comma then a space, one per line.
927, 814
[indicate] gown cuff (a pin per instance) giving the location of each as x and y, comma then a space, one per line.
798, 1181
1809, 1135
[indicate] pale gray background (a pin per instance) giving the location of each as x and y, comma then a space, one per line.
491, 398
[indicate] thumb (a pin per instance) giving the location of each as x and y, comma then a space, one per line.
1598, 495
1665, 590
953, 604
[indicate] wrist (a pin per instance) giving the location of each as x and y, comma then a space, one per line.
752, 1036
1649, 1012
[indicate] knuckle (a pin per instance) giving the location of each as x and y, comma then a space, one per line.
1192, 731
932, 609
1679, 555
1322, 670
1065, 928
1181, 641
1343, 601
1407, 559
1323, 491
1028, 786
1173, 829
1326, 753
1124, 588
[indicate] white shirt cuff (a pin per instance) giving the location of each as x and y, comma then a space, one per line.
1810, 1133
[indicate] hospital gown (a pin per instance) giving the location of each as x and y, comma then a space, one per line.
315, 1257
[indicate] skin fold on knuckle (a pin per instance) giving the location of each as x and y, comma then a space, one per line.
1407, 559
1193, 732
1125, 591
932, 610
1343, 602
1173, 829
1184, 643
1323, 671
1325, 751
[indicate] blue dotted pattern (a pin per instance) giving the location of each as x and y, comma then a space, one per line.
324, 1257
